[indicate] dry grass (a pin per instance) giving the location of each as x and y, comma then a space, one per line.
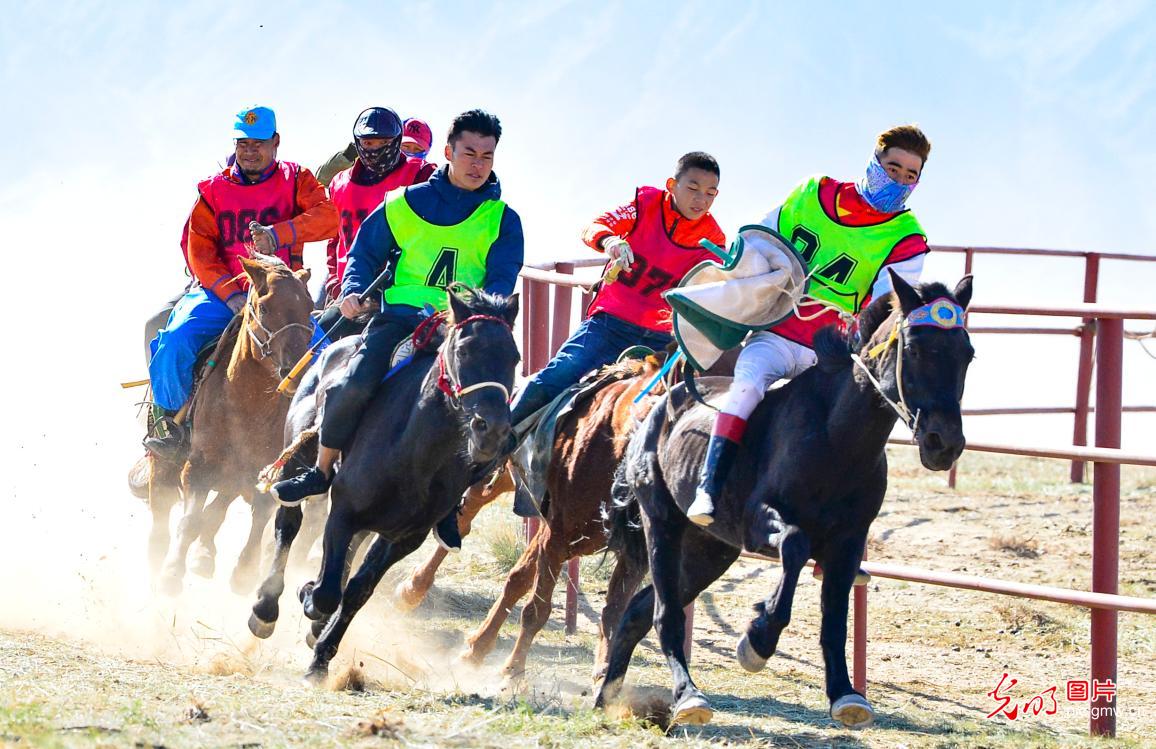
1025, 548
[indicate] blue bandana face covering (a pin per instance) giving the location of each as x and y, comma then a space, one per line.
880, 191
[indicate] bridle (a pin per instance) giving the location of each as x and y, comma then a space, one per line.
449, 381
265, 348
940, 313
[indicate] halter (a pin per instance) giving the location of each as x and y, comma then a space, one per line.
265, 348
941, 313
448, 380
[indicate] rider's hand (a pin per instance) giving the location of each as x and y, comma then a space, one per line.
236, 303
263, 241
351, 308
621, 256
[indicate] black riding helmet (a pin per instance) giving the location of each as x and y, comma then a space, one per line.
378, 122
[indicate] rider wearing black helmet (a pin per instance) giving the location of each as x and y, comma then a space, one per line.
380, 166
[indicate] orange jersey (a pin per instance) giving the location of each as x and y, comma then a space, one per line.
312, 218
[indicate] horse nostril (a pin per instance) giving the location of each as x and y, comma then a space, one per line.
932, 441
478, 424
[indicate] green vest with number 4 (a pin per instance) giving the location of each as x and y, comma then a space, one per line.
433, 257
843, 260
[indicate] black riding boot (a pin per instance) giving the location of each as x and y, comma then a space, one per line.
169, 441
720, 456
446, 532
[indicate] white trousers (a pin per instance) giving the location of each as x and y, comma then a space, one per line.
765, 359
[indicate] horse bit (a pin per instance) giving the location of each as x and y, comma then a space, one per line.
448, 381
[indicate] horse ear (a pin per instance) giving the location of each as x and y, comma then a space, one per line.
962, 292
459, 310
513, 306
302, 275
255, 270
908, 297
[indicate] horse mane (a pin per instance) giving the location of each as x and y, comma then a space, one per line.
834, 347
486, 303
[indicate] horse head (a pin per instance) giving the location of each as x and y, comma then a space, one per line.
925, 375
276, 319
476, 364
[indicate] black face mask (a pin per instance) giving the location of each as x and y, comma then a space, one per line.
380, 161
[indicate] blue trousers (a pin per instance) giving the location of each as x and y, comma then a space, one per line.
597, 342
197, 319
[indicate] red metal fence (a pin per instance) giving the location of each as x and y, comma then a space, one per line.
546, 326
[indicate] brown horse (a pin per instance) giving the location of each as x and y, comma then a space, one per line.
239, 419
588, 443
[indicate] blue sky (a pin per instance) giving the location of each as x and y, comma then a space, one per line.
1041, 117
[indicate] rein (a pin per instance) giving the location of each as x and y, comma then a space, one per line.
265, 348
941, 313
448, 380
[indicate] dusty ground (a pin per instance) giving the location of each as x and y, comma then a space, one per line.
113, 666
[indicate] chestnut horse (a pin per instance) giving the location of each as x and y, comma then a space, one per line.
239, 417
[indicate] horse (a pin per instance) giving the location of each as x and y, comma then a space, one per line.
587, 441
239, 416
810, 480
418, 448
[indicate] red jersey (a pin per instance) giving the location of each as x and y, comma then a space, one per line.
665, 246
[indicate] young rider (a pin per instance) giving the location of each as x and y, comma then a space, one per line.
454, 227
849, 234
653, 241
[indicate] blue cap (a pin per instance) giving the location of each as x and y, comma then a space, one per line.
258, 123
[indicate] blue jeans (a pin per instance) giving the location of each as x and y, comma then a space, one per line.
196, 320
597, 342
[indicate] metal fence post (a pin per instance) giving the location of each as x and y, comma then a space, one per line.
859, 651
1084, 371
1106, 520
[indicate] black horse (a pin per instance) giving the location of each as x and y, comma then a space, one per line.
415, 453
810, 483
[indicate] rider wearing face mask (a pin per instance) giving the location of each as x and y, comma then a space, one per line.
380, 166
848, 234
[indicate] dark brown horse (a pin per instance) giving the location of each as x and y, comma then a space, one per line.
588, 443
239, 417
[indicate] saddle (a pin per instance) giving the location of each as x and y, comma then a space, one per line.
536, 434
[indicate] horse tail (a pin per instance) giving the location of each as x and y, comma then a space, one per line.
294, 459
623, 521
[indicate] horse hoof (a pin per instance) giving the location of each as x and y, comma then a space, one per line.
203, 566
747, 657
316, 676
853, 711
405, 598
691, 710
305, 590
260, 628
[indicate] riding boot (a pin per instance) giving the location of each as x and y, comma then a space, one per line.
720, 455
169, 440
446, 532
291, 492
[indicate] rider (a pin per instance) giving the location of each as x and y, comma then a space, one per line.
291, 207
416, 138
653, 241
849, 234
381, 165
453, 228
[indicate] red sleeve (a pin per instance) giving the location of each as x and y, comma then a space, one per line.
617, 222
907, 248
424, 173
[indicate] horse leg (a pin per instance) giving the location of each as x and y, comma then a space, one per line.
410, 593
266, 609
840, 564
189, 527
205, 551
624, 580
321, 597
382, 555
248, 561
762, 635
312, 525
636, 622
355, 546
553, 553
518, 582
161, 501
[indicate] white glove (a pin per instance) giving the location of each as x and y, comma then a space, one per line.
621, 256
263, 241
